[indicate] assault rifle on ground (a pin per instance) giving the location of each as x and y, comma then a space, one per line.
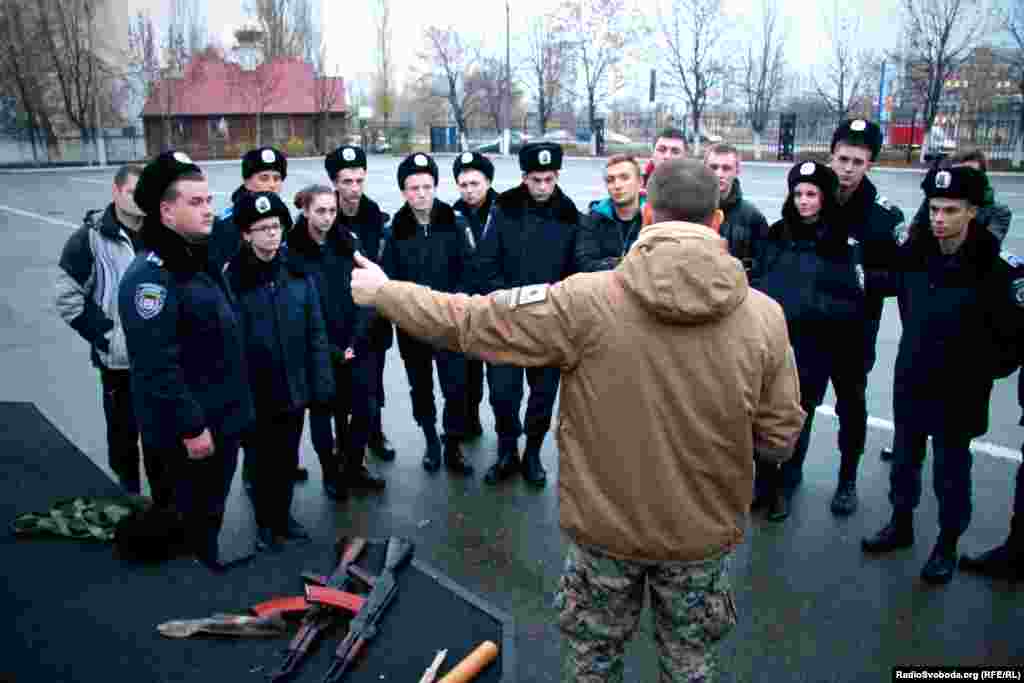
319, 617
365, 624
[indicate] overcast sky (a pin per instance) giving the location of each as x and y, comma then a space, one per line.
348, 27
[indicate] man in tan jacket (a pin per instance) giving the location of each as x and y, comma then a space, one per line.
671, 350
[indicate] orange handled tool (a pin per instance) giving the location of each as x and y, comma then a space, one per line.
475, 662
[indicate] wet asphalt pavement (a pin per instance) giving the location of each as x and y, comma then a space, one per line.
812, 606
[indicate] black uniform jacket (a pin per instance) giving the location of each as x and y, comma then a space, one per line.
184, 342
743, 227
472, 223
330, 267
226, 238
528, 243
814, 271
961, 323
436, 255
875, 222
285, 338
370, 225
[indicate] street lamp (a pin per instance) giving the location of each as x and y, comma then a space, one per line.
506, 138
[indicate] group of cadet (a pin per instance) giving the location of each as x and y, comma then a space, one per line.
211, 334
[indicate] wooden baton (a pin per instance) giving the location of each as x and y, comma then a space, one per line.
475, 662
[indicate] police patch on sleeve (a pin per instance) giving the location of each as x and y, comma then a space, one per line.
149, 300
1017, 290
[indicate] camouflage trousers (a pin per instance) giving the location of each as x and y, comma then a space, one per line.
600, 599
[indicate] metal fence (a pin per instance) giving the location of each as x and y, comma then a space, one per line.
17, 149
995, 135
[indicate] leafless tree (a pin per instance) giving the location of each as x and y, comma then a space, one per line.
599, 31
287, 27
383, 79
24, 73
325, 96
763, 71
65, 39
1012, 19
547, 67
488, 81
691, 33
258, 87
846, 73
454, 61
940, 35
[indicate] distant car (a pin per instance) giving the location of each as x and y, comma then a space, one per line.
617, 138
559, 136
494, 146
705, 138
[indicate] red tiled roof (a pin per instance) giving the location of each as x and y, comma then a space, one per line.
211, 86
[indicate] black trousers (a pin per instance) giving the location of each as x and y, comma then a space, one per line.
122, 429
474, 384
351, 413
951, 476
377, 418
272, 454
506, 386
123, 441
201, 489
419, 359
818, 362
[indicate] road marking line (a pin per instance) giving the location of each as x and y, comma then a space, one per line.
994, 450
38, 216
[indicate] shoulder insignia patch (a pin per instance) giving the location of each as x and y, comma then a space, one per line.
151, 257
1012, 259
884, 202
227, 213
149, 300
521, 296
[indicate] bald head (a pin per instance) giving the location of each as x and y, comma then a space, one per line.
682, 190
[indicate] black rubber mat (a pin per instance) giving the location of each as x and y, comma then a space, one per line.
75, 612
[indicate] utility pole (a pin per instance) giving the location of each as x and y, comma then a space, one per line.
506, 138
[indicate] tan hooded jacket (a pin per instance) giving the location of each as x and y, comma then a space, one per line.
673, 372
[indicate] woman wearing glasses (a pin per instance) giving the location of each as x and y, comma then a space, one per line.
287, 356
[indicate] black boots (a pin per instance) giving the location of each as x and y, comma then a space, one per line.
453, 458
507, 465
533, 471
844, 501
1005, 561
898, 533
381, 447
432, 456
941, 564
